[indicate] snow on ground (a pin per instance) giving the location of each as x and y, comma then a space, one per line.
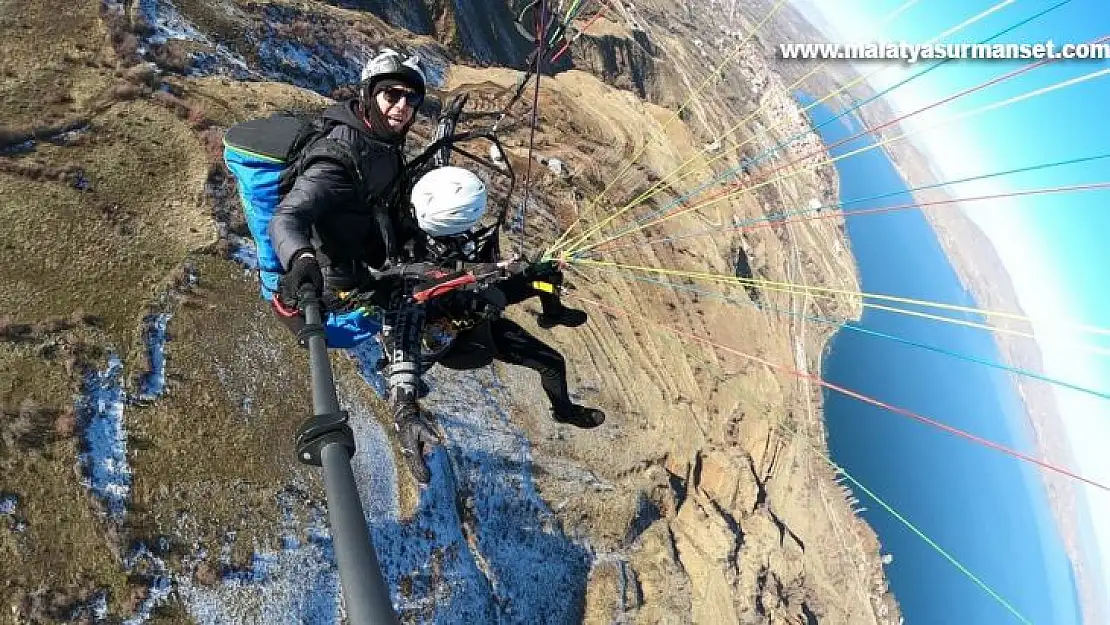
100, 416
96, 608
143, 562
69, 134
298, 584
482, 547
316, 64
153, 382
168, 24
373, 461
9, 519
535, 572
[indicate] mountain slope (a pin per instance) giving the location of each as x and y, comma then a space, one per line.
150, 400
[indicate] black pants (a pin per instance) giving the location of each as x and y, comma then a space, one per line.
518, 289
504, 340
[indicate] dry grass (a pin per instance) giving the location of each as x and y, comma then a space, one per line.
54, 59
107, 250
216, 450
64, 551
219, 444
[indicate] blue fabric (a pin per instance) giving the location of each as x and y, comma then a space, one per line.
348, 329
257, 179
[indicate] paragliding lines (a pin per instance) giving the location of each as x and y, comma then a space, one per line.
569, 42
920, 534
804, 289
579, 248
850, 393
804, 439
784, 217
540, 50
725, 194
862, 330
661, 184
690, 98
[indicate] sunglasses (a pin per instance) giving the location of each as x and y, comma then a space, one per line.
412, 98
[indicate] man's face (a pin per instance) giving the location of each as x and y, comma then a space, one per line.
398, 105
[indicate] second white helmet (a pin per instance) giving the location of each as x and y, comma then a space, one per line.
448, 200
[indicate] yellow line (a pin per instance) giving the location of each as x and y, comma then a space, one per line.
788, 287
690, 98
884, 142
659, 185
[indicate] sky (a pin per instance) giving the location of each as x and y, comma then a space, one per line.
1052, 245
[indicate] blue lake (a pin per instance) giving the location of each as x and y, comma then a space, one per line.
987, 509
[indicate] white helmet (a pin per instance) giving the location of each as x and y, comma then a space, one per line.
392, 64
448, 200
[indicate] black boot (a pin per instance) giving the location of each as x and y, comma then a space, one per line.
580, 416
416, 435
563, 316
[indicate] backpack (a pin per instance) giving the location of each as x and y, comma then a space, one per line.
264, 157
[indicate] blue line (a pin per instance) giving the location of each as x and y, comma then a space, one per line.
771, 217
850, 326
791, 140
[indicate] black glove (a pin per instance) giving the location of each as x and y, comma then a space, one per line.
416, 436
547, 271
305, 270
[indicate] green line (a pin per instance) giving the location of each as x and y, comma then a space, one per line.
928, 540
570, 15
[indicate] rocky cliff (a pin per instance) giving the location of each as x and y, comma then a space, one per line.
150, 400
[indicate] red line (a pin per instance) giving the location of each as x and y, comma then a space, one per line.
870, 211
864, 398
727, 189
593, 19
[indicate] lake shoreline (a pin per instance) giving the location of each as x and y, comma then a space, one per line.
1019, 419
983, 274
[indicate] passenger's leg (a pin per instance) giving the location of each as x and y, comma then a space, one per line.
515, 346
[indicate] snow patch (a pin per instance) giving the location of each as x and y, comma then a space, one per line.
168, 23
298, 585
161, 584
100, 413
372, 463
317, 67
95, 608
244, 251
483, 546
153, 383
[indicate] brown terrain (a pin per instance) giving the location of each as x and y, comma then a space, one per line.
705, 498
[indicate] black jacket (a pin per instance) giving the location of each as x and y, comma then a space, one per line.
343, 216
